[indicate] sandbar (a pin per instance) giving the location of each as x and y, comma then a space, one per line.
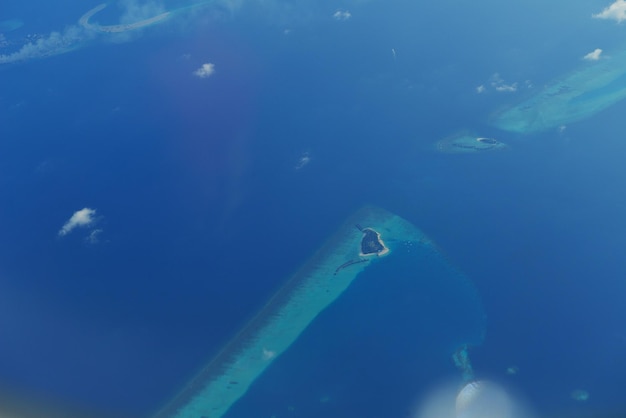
84, 22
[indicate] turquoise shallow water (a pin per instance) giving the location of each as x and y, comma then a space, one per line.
367, 237
394, 331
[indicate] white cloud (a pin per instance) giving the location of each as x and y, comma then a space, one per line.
499, 85
594, 55
507, 87
135, 12
81, 218
616, 11
54, 44
94, 236
480, 89
304, 160
342, 15
205, 71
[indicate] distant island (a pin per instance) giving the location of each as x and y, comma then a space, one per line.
468, 142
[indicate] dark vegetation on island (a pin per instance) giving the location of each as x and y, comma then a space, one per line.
370, 243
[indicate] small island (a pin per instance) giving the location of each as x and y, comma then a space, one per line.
371, 243
467, 142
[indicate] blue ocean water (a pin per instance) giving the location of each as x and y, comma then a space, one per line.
393, 331
210, 192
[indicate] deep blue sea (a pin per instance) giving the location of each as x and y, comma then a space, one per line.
205, 193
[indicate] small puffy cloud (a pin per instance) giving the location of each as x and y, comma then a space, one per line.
480, 89
303, 161
81, 218
507, 87
342, 15
94, 236
499, 85
593, 55
616, 11
205, 71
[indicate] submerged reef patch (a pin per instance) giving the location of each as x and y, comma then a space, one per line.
580, 395
467, 143
10, 25
578, 95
